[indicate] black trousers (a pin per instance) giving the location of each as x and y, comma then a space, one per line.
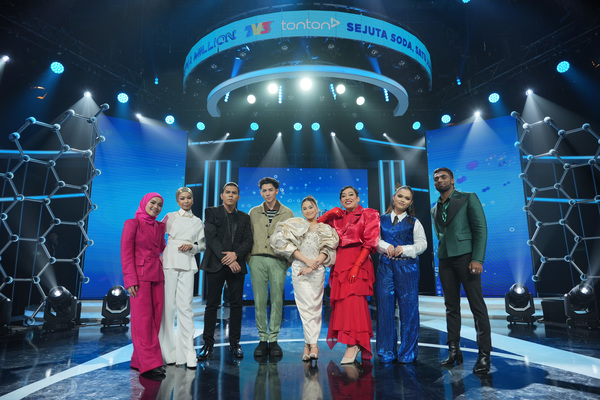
454, 271
214, 288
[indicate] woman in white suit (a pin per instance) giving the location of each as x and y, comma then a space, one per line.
185, 239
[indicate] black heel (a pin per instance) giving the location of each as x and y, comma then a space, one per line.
455, 356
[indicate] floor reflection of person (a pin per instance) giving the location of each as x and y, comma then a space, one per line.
178, 384
311, 246
352, 276
402, 240
185, 239
352, 381
311, 389
142, 242
267, 384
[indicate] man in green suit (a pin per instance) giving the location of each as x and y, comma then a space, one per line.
460, 226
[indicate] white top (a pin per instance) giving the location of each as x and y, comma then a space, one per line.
409, 250
183, 227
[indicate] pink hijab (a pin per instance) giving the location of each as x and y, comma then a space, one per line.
141, 211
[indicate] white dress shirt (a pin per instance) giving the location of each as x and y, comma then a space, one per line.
408, 250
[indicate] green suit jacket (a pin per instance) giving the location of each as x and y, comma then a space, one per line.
465, 229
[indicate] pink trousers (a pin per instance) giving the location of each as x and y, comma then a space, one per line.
146, 314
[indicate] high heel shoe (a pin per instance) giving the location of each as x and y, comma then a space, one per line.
455, 356
306, 355
314, 355
350, 360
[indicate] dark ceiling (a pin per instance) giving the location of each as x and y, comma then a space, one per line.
118, 45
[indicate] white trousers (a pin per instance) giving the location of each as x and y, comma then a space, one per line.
179, 293
308, 292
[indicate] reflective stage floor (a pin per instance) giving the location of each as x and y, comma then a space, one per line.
549, 362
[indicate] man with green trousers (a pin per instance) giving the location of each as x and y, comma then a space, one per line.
460, 226
267, 270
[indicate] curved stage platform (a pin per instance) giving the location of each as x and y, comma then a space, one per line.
538, 361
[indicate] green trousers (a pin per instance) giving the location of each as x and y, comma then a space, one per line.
268, 278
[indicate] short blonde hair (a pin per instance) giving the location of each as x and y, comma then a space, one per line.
183, 189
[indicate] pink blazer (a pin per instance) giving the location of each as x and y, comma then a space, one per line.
141, 245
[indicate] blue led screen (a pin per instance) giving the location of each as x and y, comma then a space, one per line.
484, 161
135, 159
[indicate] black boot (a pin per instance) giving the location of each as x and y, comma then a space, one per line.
454, 355
206, 352
482, 366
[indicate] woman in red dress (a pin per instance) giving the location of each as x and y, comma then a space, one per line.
352, 277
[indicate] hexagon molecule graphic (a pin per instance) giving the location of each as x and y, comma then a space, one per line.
558, 183
38, 184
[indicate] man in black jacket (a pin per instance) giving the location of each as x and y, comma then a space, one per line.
228, 241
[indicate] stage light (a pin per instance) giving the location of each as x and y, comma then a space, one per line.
5, 58
332, 90
227, 134
385, 135
458, 81
330, 45
156, 81
446, 118
386, 95
243, 53
297, 126
563, 67
87, 94
529, 92
340, 89
285, 46
359, 126
5, 313
170, 120
493, 98
278, 134
116, 307
57, 67
273, 88
138, 115
254, 126
200, 126
305, 84
373, 51
416, 125
360, 100
315, 126
62, 309
466, 1
280, 95
580, 306
226, 98
122, 98
251, 99
519, 306
332, 134
477, 114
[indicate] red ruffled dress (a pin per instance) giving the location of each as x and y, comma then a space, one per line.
350, 321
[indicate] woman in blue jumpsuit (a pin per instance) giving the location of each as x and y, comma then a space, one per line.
402, 240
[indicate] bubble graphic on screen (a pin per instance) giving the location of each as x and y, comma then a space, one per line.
485, 189
472, 164
503, 162
511, 229
461, 179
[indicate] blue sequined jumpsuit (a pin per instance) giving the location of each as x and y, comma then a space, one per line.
397, 280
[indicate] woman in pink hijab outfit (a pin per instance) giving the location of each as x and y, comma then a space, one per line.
142, 242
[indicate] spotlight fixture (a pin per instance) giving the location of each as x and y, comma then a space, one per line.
156, 81
251, 99
116, 307
254, 126
477, 114
332, 134
285, 46
416, 125
315, 126
330, 45
5, 58
580, 306
359, 126
340, 89
273, 88
305, 84
62, 310
519, 306
57, 68
373, 51
243, 53
87, 94
138, 115
563, 67
446, 118
170, 120
200, 126
529, 92
278, 134
297, 126
5, 313
493, 98
360, 100
122, 98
